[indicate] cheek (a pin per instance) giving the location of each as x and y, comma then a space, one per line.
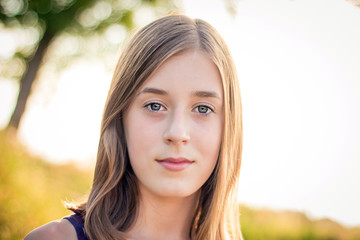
207, 139
141, 135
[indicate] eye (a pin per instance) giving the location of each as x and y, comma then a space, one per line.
154, 107
204, 110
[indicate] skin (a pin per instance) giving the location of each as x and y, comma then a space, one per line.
178, 112
55, 230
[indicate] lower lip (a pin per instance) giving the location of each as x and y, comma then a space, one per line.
175, 166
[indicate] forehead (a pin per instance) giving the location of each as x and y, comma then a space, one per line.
190, 70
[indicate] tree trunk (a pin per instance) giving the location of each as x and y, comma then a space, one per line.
27, 81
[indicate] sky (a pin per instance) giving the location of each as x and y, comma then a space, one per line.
298, 65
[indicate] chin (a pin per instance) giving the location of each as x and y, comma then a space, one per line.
175, 192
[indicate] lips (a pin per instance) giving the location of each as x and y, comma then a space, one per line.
174, 164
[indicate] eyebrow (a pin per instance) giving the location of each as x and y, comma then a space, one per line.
201, 94
153, 91
205, 94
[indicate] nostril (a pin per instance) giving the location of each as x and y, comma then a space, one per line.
177, 140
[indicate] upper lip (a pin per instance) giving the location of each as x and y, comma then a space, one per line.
174, 160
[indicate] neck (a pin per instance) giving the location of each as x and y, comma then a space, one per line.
163, 217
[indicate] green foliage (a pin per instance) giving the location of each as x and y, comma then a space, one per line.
32, 191
84, 15
48, 19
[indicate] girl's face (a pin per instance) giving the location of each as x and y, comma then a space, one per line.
174, 126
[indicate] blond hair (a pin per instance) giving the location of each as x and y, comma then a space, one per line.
112, 205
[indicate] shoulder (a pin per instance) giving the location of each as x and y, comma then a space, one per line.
57, 230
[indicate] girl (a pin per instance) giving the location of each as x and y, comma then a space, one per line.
170, 148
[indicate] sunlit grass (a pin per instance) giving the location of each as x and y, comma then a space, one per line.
32, 191
267, 224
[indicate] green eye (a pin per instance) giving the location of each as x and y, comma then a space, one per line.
154, 107
203, 109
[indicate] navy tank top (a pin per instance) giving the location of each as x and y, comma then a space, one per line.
78, 224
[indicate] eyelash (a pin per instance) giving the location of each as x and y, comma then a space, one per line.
208, 110
149, 107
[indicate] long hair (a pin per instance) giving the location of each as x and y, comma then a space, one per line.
112, 206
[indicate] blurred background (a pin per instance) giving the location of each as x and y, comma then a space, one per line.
299, 70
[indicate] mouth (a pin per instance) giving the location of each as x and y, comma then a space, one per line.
174, 164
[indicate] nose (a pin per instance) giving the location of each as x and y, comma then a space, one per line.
177, 131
